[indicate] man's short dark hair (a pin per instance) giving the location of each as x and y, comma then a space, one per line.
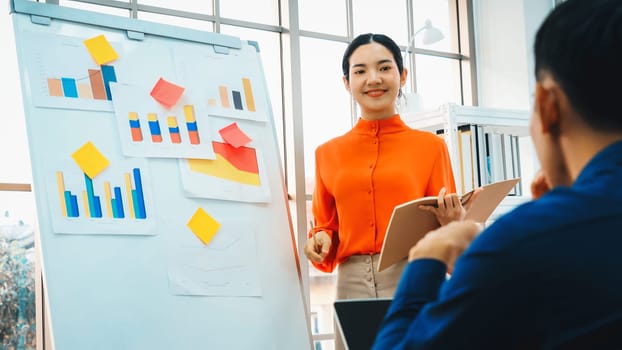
580, 45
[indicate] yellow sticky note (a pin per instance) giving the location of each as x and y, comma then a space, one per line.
90, 160
203, 226
100, 49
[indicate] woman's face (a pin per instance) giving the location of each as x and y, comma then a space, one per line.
375, 81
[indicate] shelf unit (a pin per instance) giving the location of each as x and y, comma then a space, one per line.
449, 117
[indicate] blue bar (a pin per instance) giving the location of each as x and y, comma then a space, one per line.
113, 204
119, 203
192, 126
74, 207
68, 205
154, 127
138, 196
173, 130
237, 100
98, 207
69, 87
90, 194
135, 124
109, 76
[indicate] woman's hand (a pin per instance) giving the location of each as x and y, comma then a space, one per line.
317, 246
448, 208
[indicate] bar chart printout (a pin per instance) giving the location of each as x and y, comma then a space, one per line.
120, 202
240, 98
95, 84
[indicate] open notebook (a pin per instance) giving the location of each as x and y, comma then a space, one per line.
409, 224
359, 320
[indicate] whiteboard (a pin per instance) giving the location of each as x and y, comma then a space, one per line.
163, 217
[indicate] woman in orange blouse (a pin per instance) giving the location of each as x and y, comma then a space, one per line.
362, 175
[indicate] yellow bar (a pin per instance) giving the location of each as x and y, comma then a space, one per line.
248, 93
189, 113
152, 117
61, 192
172, 122
133, 116
108, 194
128, 190
85, 199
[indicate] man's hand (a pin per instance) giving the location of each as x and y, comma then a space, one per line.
539, 185
446, 243
317, 246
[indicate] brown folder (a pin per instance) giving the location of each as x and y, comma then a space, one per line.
409, 224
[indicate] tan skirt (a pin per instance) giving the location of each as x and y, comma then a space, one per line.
358, 278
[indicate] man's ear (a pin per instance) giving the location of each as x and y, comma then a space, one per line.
547, 103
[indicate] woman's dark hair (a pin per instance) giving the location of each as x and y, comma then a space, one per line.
368, 38
580, 45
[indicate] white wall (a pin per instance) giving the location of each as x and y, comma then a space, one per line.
504, 31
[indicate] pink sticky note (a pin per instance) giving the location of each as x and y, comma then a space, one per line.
167, 93
232, 135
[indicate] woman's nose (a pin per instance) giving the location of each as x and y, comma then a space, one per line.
374, 77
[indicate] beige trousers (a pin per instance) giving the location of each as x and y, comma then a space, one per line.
358, 278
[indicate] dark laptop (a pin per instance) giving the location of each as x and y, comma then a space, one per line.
359, 320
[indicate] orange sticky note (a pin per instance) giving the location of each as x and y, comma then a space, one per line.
90, 160
203, 226
234, 136
100, 49
166, 92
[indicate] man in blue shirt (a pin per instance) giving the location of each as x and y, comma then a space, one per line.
549, 271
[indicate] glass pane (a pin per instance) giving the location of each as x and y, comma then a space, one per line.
260, 11
322, 291
177, 21
442, 16
270, 52
96, 8
438, 80
13, 138
17, 273
323, 345
313, 16
325, 101
384, 17
203, 7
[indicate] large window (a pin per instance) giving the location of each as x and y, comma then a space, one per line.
321, 30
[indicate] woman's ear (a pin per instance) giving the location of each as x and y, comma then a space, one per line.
346, 83
403, 77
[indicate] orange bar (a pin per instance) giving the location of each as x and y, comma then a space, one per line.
248, 93
173, 129
194, 137
84, 91
97, 84
211, 102
224, 96
55, 87
137, 134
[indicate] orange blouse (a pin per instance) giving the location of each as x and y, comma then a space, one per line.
362, 175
